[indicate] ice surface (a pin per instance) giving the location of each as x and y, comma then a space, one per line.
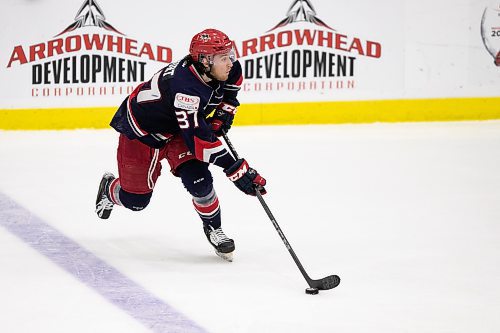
406, 214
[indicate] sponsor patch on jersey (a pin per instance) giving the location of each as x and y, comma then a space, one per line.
186, 102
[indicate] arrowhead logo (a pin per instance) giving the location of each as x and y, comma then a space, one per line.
90, 14
84, 60
301, 11
302, 53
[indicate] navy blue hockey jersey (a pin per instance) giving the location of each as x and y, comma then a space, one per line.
177, 99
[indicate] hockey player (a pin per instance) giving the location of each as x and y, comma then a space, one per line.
169, 117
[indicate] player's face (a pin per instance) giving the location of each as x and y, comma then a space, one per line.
222, 64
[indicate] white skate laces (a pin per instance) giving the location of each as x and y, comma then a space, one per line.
218, 237
223, 245
104, 205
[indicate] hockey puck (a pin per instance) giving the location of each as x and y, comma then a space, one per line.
312, 291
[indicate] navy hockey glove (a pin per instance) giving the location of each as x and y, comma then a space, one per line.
223, 118
245, 178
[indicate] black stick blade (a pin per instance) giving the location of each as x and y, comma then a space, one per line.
329, 282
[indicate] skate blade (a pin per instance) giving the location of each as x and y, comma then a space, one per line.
225, 256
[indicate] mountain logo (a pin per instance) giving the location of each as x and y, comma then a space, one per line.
301, 11
89, 14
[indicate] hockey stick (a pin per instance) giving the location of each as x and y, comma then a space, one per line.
325, 283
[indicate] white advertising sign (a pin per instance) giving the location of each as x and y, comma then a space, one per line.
93, 53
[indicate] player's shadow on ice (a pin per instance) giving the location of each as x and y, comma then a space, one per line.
151, 252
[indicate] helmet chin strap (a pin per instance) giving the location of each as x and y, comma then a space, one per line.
208, 72
202, 70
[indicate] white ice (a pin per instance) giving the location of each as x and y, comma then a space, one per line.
408, 215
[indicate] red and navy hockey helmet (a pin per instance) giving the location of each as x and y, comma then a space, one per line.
210, 42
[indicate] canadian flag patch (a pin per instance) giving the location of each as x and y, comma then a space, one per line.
186, 102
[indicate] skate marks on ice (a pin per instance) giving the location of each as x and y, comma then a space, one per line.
92, 271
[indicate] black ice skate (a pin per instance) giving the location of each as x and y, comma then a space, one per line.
103, 204
223, 245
